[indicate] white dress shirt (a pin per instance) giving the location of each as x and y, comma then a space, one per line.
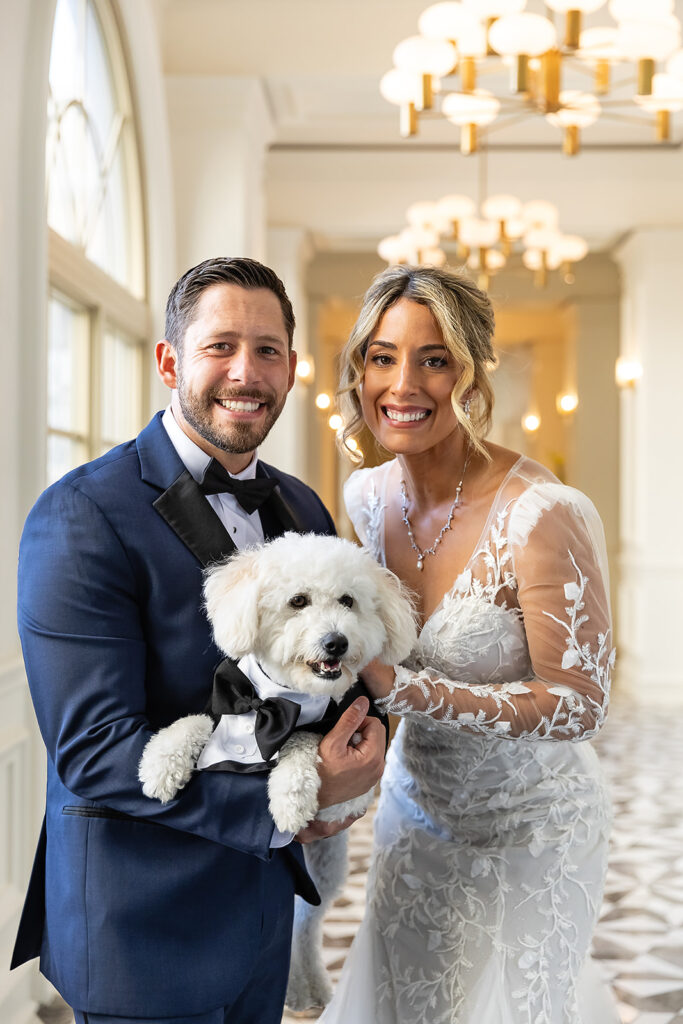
245, 529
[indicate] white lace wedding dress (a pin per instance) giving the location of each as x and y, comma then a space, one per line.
491, 832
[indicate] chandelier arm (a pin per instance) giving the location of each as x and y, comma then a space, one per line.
641, 122
511, 120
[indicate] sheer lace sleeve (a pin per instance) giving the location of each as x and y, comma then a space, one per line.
364, 500
556, 558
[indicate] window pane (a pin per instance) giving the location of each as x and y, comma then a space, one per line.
92, 163
122, 381
68, 366
63, 454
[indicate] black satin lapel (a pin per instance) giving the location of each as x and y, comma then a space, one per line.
190, 516
277, 515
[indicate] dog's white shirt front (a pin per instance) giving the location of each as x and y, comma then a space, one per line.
233, 738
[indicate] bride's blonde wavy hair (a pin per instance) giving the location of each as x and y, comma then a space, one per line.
465, 317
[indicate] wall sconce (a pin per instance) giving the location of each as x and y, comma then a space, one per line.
305, 370
566, 403
627, 372
323, 400
531, 422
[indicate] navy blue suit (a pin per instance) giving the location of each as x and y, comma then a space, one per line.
137, 908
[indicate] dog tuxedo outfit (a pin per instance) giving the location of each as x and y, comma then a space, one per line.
254, 716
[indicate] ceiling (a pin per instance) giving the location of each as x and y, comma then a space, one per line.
337, 166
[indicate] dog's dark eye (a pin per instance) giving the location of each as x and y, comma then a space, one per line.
299, 601
346, 600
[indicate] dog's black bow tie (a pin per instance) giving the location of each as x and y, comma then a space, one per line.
251, 494
234, 694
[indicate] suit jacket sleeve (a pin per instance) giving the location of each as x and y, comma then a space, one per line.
84, 647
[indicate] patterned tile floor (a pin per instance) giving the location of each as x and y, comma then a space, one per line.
639, 939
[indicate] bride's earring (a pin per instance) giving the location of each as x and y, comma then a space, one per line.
467, 407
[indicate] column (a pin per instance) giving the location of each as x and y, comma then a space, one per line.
595, 426
288, 253
651, 500
220, 130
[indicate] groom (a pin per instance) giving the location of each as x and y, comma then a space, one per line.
141, 911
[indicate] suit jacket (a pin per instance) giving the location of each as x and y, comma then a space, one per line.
138, 908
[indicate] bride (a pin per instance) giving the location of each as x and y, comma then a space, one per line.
492, 827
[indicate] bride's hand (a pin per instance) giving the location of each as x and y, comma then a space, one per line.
378, 678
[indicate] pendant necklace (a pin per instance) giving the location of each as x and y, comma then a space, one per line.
421, 555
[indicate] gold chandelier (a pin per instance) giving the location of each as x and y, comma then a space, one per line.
485, 238
462, 45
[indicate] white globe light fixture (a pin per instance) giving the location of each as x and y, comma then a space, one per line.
674, 65
577, 110
626, 10
422, 214
470, 111
666, 99
489, 9
502, 208
428, 58
647, 40
597, 46
573, 11
522, 36
404, 89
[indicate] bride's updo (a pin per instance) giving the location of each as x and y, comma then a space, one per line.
465, 318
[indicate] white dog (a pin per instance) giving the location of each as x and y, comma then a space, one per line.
302, 615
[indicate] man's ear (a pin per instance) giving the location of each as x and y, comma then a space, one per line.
166, 362
292, 370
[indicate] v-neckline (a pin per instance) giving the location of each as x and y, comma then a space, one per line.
475, 550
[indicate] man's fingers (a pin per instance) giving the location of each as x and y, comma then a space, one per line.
324, 829
350, 721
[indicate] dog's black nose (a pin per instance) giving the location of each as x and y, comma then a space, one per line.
335, 644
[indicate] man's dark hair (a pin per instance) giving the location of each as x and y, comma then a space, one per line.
238, 270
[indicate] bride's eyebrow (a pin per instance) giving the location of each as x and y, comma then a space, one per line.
436, 347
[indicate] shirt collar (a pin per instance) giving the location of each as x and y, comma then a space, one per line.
191, 455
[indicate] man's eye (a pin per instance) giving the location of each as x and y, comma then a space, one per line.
299, 601
346, 600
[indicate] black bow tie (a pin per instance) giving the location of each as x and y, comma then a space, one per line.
251, 494
234, 694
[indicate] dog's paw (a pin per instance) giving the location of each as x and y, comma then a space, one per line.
169, 758
294, 783
308, 984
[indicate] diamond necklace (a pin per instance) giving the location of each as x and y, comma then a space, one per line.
421, 555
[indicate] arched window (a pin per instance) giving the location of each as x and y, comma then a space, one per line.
98, 322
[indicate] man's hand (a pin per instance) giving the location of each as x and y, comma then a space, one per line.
324, 829
348, 771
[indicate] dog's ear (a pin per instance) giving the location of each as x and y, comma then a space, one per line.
231, 594
397, 615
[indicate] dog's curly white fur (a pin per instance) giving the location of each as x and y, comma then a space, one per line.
282, 602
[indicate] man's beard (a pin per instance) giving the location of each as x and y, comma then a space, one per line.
238, 437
